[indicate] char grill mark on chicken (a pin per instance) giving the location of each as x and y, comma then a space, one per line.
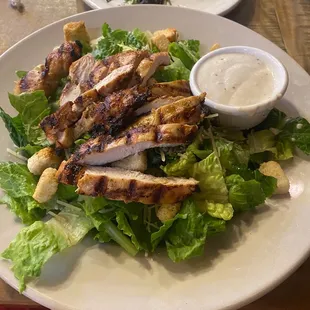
128, 186
157, 103
174, 88
148, 66
112, 113
47, 77
103, 150
184, 111
78, 79
104, 67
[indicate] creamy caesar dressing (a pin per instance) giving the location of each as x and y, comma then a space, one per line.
236, 79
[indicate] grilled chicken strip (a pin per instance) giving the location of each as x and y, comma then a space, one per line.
78, 79
126, 185
102, 150
157, 103
184, 111
56, 126
112, 113
136, 162
103, 67
69, 172
175, 88
46, 77
148, 66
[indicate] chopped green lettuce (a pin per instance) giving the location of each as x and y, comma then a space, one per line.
298, 132
181, 167
186, 51
248, 194
233, 179
187, 237
26, 208
158, 236
36, 244
20, 73
175, 71
15, 128
32, 108
116, 41
19, 185
66, 192
261, 141
222, 211
210, 175
275, 119
285, 148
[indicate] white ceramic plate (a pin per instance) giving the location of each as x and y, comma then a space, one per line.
258, 251
217, 7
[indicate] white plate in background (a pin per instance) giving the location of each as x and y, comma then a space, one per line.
258, 251
217, 7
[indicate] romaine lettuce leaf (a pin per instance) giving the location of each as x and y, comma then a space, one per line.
175, 71
187, 236
186, 51
15, 128
26, 208
66, 192
222, 211
32, 108
298, 132
233, 179
16, 180
181, 167
124, 226
30, 150
158, 236
215, 225
275, 119
36, 244
284, 148
19, 185
246, 195
210, 175
116, 41
101, 212
261, 141
20, 73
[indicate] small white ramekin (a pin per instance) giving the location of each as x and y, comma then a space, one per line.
244, 117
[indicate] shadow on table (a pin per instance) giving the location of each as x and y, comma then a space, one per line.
243, 13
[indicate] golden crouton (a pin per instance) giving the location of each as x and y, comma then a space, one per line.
161, 42
47, 186
170, 33
214, 47
273, 169
168, 211
76, 31
43, 159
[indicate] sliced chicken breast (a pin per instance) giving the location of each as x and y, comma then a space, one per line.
103, 67
47, 77
157, 103
69, 172
102, 150
148, 66
112, 113
184, 111
78, 78
136, 162
128, 186
175, 88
